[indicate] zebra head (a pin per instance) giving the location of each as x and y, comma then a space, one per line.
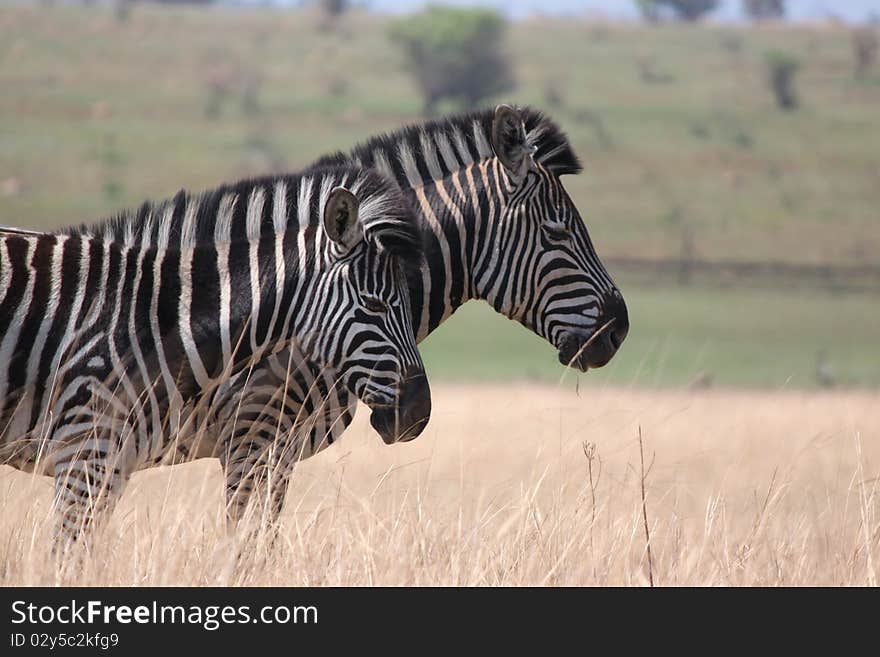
546, 273
372, 245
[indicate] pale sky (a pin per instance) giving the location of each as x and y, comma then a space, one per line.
852, 10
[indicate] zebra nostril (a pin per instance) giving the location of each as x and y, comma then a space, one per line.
615, 308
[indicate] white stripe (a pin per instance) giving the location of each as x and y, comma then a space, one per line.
128, 234
408, 162
446, 151
185, 320
222, 237
483, 147
279, 219
279, 207
254, 213
461, 145
429, 152
302, 204
147, 231
223, 227
225, 301
5, 270
188, 230
280, 266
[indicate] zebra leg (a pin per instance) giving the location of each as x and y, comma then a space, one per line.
282, 415
252, 422
87, 486
256, 483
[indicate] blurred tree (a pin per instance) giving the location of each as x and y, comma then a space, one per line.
688, 10
781, 69
122, 10
763, 9
455, 54
649, 10
865, 50
334, 8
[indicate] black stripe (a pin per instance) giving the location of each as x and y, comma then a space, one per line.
205, 308
30, 326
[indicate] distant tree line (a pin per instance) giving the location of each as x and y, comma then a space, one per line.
181, 2
455, 54
686, 10
764, 9
693, 10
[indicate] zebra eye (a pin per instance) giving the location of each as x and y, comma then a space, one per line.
555, 231
374, 304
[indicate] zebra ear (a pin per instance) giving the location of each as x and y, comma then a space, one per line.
509, 141
341, 217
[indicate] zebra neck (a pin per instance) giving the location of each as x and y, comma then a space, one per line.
459, 223
249, 302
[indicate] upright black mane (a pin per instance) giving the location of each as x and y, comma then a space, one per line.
422, 152
386, 215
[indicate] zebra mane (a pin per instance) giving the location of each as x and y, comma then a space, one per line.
388, 219
247, 209
423, 152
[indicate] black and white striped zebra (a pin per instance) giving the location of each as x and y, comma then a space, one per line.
496, 224
112, 350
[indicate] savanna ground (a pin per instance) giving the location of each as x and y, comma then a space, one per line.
758, 476
741, 488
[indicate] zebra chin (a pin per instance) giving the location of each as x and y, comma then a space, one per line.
579, 352
586, 350
407, 418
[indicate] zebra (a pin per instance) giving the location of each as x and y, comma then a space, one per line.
111, 350
496, 224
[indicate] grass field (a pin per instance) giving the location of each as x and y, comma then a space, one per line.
680, 137
742, 488
681, 336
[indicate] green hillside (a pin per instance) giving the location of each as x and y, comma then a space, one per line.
684, 150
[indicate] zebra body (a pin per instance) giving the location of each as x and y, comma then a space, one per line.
496, 224
113, 351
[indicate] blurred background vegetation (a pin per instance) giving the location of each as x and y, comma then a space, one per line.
732, 170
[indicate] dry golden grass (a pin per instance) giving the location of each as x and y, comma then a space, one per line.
742, 488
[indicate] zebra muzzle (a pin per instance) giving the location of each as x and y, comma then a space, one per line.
409, 417
585, 351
